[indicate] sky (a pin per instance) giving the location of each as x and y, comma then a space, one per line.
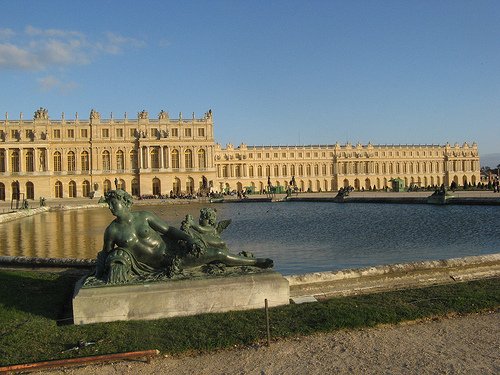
272, 72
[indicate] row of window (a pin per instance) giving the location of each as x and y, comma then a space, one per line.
346, 168
57, 166
84, 133
292, 170
409, 167
291, 155
71, 189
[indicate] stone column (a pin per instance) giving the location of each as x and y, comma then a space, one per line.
7, 161
35, 160
168, 157
139, 157
181, 157
210, 157
48, 161
22, 160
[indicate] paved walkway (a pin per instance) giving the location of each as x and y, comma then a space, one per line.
459, 345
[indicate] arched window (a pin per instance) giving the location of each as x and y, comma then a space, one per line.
308, 171
268, 170
237, 171
14, 161
259, 171
107, 186
57, 165
292, 170
155, 157
121, 184
224, 171
71, 162
86, 188
72, 189
134, 162
316, 170
190, 185
106, 161
156, 186
188, 159
202, 163
84, 159
284, 170
250, 171
175, 159
30, 165
276, 170
120, 161
176, 186
30, 190
2, 191
2, 160
15, 190
301, 170
58, 189
135, 187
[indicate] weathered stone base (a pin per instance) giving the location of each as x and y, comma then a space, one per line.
178, 298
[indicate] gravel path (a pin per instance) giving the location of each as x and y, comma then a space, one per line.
458, 345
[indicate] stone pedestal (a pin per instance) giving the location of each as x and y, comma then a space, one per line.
178, 297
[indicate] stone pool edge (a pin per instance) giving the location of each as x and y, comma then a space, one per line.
334, 283
394, 276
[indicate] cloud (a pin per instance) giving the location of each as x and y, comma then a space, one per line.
42, 49
12, 56
51, 83
164, 43
6, 33
33, 31
119, 40
115, 44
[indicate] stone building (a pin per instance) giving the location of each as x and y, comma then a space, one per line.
48, 158
330, 167
74, 158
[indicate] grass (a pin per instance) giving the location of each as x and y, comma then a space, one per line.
34, 307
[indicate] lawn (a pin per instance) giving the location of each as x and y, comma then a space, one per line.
35, 319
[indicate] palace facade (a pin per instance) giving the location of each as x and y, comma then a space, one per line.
48, 158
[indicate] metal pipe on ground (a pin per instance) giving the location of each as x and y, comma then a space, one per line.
148, 354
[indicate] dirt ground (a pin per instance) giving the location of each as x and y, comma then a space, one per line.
455, 345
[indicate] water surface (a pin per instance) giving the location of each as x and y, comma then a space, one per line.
300, 236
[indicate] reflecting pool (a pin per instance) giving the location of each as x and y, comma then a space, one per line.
300, 236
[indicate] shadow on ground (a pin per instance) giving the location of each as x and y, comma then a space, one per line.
48, 296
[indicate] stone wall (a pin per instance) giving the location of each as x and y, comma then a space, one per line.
394, 276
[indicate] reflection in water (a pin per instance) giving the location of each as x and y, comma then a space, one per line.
300, 237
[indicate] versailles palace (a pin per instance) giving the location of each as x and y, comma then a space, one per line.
49, 158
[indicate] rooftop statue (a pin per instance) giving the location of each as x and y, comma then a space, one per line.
163, 115
94, 115
138, 245
41, 113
